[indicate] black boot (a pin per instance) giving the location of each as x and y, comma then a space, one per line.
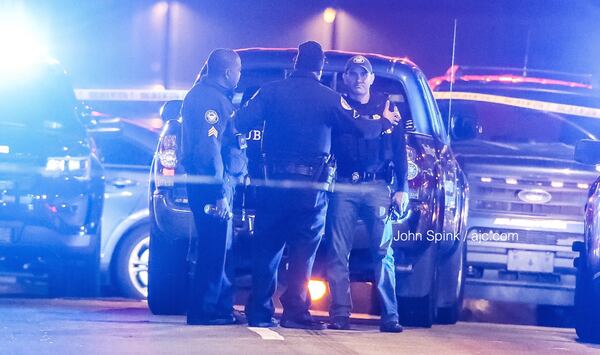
339, 323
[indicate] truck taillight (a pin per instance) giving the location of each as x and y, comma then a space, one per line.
419, 176
168, 158
413, 168
164, 170
167, 152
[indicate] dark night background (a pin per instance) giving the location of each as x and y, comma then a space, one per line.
121, 44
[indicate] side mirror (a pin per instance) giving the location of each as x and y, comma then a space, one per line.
587, 151
171, 110
464, 128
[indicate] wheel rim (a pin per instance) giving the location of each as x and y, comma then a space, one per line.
137, 266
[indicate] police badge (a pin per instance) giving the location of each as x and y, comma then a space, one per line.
359, 59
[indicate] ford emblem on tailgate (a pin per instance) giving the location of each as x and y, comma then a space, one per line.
534, 196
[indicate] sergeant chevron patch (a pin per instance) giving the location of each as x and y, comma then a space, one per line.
212, 132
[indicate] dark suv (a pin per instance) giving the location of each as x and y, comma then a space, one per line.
428, 248
51, 184
514, 133
587, 290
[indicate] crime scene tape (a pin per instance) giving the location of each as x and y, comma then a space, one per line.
129, 95
523, 103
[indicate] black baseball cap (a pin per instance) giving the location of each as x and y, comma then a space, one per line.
359, 61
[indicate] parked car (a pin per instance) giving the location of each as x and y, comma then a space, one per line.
514, 133
430, 272
51, 182
125, 149
587, 290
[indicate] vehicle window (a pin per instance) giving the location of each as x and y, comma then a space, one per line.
252, 80
42, 101
439, 129
119, 151
509, 124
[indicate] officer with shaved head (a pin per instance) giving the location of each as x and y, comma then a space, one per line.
215, 161
299, 115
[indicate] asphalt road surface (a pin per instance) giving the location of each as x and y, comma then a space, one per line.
114, 326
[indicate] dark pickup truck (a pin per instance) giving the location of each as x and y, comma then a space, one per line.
428, 247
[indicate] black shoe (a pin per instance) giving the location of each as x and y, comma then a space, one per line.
240, 317
263, 324
302, 323
339, 323
391, 327
220, 320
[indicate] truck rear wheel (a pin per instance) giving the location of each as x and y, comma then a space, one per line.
167, 275
587, 308
417, 311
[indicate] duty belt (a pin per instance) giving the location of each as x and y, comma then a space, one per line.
293, 169
363, 176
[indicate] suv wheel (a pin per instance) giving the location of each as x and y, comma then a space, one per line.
77, 278
130, 268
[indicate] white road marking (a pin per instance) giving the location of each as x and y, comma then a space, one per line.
266, 333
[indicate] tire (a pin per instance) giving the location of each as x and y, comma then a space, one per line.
130, 266
451, 314
167, 275
587, 308
417, 311
77, 278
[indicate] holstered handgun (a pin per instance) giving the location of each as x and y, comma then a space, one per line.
390, 176
325, 172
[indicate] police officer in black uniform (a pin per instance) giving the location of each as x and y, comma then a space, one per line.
299, 114
214, 161
365, 170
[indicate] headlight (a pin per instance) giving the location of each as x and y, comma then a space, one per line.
77, 167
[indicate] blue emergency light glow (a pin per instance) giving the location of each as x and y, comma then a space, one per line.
20, 45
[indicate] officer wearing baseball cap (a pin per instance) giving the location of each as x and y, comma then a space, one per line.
299, 115
366, 168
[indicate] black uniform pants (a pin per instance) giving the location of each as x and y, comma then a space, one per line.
370, 202
210, 292
292, 217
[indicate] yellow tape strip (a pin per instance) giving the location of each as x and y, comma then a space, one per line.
129, 95
517, 102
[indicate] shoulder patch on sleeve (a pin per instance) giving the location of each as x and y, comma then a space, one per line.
211, 116
345, 104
